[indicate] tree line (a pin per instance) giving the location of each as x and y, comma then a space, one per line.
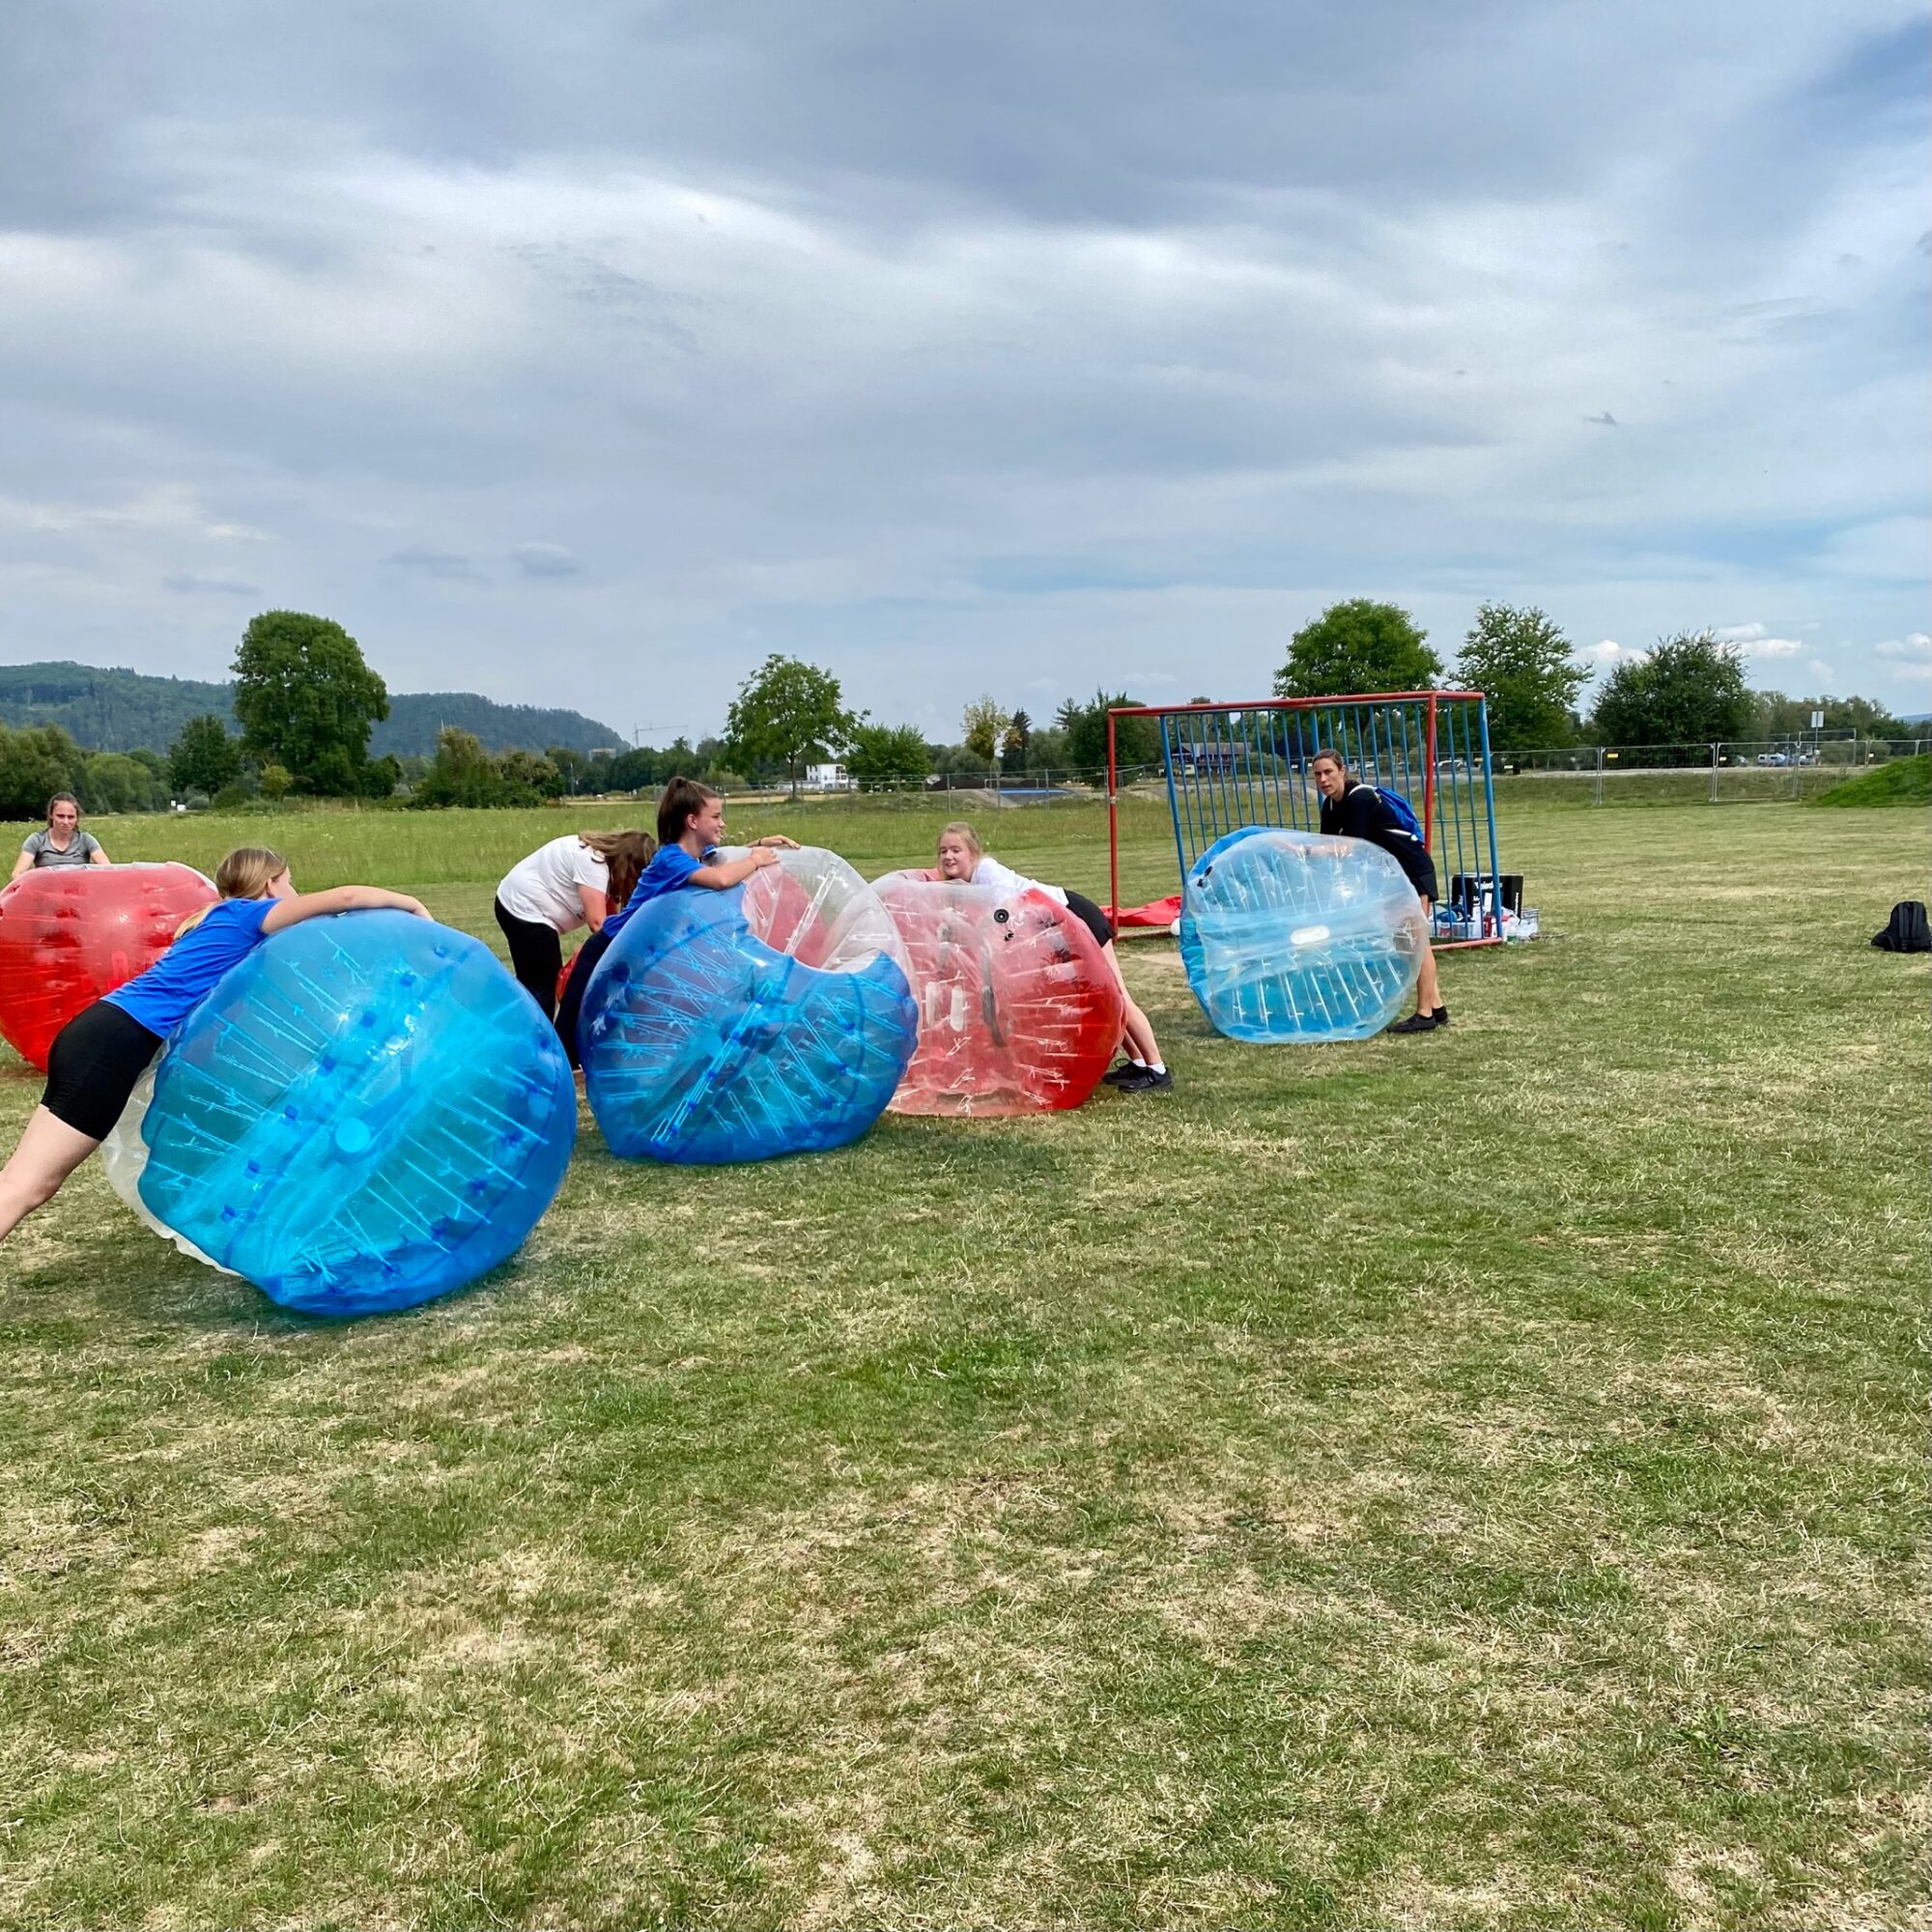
306, 701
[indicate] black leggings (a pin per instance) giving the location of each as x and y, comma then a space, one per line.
582, 964
95, 1061
536, 956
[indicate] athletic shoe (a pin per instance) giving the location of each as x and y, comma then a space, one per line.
1118, 1076
1417, 1023
1145, 1080
1440, 1015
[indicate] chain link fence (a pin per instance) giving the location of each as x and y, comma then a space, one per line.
1729, 772
1741, 771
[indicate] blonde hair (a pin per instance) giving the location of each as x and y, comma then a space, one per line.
246, 873
967, 833
625, 853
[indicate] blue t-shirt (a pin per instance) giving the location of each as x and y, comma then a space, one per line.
670, 869
162, 997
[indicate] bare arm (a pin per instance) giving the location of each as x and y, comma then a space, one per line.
339, 899
99, 857
22, 866
596, 906
734, 871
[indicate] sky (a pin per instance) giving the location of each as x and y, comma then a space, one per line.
587, 353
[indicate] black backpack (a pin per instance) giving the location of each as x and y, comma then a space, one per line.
1907, 931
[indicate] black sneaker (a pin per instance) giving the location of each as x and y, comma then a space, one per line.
1417, 1023
1118, 1076
1145, 1080
1440, 1015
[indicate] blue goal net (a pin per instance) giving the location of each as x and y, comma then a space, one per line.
1230, 765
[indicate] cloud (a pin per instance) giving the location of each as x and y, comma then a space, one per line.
1772, 647
1739, 633
184, 585
437, 563
544, 560
1916, 648
1215, 322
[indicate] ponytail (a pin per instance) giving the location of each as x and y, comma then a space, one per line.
246, 873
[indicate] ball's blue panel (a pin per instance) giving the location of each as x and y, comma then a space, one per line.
700, 1044
366, 1112
1292, 936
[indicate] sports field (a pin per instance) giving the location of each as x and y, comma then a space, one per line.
1474, 1480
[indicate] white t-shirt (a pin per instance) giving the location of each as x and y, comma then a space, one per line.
990, 872
544, 888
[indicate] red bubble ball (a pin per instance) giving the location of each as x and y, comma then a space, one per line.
71, 933
1019, 1011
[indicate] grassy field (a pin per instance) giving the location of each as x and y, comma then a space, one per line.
1467, 1481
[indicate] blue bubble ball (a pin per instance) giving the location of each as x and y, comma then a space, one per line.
365, 1113
703, 1045
1294, 936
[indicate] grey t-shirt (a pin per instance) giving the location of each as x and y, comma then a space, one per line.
80, 848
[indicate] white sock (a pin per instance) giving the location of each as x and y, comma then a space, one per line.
1134, 1060
1154, 1066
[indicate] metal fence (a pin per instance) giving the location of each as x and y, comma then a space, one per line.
1728, 772
1741, 771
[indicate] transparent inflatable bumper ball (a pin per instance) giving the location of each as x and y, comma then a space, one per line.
365, 1113
71, 934
771, 1019
1018, 1008
1291, 936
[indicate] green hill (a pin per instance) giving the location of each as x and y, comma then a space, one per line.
1902, 782
109, 710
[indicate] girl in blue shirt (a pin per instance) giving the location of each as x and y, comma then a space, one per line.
99, 1054
691, 825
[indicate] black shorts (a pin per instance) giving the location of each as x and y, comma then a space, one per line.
1091, 917
1420, 871
536, 956
96, 1061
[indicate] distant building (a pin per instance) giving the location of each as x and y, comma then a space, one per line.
827, 778
1209, 755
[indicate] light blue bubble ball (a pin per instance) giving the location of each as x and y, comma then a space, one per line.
365, 1113
703, 1044
1294, 936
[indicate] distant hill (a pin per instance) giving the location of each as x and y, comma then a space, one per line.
125, 710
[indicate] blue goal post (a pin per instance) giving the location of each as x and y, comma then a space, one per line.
1230, 765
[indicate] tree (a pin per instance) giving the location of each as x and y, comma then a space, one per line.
786, 713
306, 701
204, 757
982, 726
114, 781
528, 778
462, 773
276, 783
883, 756
1356, 647
1688, 691
1016, 746
34, 763
1136, 740
1776, 716
1521, 662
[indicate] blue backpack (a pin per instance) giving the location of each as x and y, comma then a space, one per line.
1402, 811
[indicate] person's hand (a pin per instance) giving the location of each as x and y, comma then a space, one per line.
763, 855
776, 838
407, 904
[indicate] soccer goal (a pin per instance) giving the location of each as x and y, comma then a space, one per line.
1230, 765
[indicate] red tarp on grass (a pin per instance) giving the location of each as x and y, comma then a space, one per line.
1155, 915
